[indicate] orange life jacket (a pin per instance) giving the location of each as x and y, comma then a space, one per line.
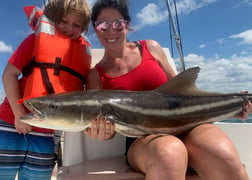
59, 64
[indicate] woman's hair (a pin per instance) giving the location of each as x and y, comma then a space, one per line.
55, 10
120, 5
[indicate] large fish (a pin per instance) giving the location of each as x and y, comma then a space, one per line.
173, 108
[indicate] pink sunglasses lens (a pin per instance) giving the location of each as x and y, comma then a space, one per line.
118, 25
102, 27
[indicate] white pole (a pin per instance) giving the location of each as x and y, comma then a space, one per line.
177, 37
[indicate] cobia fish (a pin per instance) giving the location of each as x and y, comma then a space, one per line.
173, 108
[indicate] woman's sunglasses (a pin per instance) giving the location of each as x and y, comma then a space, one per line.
117, 25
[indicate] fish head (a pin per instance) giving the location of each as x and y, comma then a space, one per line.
55, 113
43, 108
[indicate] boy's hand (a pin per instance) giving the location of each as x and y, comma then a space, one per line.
22, 127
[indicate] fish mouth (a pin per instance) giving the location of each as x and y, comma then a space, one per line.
29, 116
35, 111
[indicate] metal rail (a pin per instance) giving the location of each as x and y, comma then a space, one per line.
176, 37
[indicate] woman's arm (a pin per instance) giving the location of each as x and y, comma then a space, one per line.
157, 51
93, 80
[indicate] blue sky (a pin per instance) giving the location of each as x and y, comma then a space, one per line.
216, 35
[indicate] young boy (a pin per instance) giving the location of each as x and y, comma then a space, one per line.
54, 59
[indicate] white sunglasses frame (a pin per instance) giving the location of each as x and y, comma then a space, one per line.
123, 24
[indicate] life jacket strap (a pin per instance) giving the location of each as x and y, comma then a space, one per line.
27, 70
46, 80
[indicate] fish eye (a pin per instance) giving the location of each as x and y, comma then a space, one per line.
53, 106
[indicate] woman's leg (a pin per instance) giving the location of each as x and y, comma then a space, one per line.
160, 157
212, 154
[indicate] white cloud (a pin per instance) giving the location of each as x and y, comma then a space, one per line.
5, 48
239, 3
193, 59
246, 36
187, 6
222, 74
249, 2
150, 15
153, 14
202, 46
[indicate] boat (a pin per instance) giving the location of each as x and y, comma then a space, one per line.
85, 158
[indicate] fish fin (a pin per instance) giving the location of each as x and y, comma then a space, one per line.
121, 127
129, 131
184, 84
126, 129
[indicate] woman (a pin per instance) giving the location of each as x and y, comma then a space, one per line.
139, 66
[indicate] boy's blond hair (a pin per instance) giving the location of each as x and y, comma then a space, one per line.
55, 10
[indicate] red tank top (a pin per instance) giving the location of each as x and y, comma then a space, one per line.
148, 75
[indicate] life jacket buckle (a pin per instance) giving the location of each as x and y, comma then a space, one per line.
57, 66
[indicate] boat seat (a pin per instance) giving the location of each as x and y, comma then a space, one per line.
98, 160
113, 168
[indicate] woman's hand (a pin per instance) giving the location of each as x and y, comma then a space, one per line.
247, 108
101, 129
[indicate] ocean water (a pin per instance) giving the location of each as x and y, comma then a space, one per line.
249, 120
